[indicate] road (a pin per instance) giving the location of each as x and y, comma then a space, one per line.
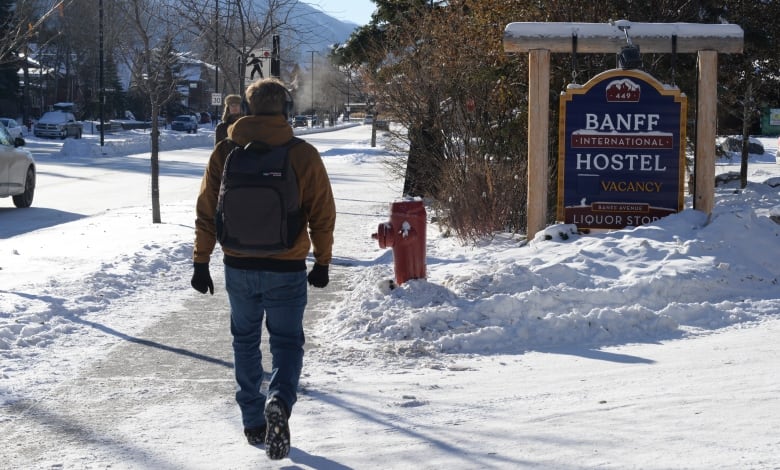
74, 183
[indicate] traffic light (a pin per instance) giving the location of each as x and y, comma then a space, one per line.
275, 59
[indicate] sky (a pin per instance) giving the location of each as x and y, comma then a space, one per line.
356, 11
652, 347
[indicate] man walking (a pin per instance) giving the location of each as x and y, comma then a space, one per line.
271, 287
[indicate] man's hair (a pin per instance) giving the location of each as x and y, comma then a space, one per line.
267, 96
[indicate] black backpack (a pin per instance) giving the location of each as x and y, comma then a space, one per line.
258, 210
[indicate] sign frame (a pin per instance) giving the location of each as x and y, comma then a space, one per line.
258, 61
617, 158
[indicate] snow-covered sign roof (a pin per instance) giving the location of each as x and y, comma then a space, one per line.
605, 37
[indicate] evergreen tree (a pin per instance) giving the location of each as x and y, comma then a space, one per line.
397, 31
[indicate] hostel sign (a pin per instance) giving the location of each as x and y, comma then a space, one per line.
621, 151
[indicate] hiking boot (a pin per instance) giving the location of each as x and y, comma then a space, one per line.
277, 436
255, 436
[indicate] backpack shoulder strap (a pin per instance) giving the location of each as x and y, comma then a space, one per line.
293, 142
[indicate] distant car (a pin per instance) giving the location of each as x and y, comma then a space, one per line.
58, 123
13, 127
300, 121
185, 122
369, 119
733, 144
17, 170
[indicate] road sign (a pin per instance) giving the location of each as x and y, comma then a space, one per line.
258, 65
216, 99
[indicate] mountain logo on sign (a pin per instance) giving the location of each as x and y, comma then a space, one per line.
623, 90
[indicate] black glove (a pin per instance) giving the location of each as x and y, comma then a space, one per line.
318, 276
201, 279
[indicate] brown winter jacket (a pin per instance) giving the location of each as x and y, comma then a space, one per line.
221, 133
316, 198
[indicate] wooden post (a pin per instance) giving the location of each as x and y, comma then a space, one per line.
538, 142
706, 132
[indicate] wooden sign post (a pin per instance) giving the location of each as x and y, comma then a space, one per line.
541, 39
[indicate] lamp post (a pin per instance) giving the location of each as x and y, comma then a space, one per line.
26, 89
312, 82
370, 108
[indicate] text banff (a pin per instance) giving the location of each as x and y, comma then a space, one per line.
622, 122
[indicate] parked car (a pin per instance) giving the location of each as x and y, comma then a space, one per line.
17, 170
300, 121
60, 124
185, 122
369, 119
733, 144
13, 127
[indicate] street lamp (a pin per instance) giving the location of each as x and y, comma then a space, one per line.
370, 107
312, 82
26, 89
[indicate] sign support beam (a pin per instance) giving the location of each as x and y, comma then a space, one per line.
538, 141
540, 39
706, 132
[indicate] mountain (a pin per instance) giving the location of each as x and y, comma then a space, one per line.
312, 30
324, 29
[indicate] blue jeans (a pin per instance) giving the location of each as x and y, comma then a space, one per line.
280, 297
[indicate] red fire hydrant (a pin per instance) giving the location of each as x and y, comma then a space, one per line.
405, 233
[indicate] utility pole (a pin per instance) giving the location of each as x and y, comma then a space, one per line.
216, 55
102, 94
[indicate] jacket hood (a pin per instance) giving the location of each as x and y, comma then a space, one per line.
273, 130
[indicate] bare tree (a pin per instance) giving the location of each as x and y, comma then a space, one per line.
151, 58
441, 74
30, 17
228, 31
24, 29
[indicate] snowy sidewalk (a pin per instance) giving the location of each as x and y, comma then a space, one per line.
109, 415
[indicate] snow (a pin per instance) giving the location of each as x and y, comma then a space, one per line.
523, 30
649, 347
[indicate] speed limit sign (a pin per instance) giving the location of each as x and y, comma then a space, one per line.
216, 99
